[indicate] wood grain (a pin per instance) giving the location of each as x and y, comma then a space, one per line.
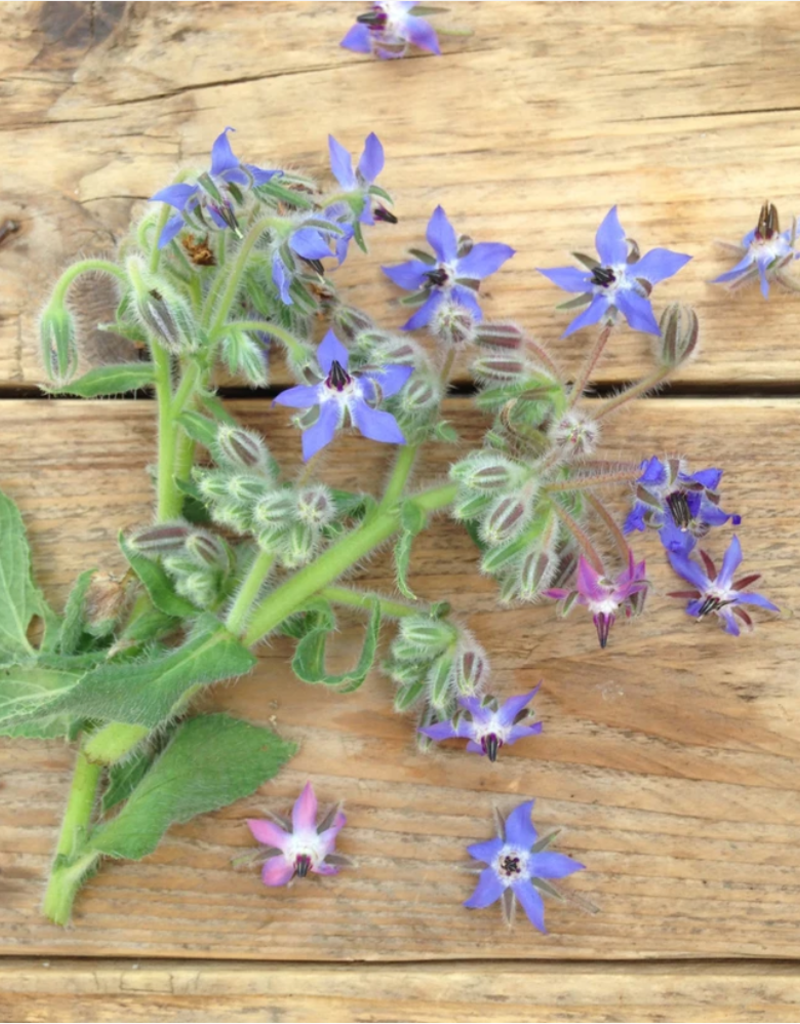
110, 990
671, 760
684, 114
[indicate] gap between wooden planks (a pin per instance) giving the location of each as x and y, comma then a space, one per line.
684, 114
671, 760
480, 991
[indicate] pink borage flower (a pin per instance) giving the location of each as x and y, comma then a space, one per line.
301, 846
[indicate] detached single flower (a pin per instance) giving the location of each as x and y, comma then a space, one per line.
619, 283
519, 864
301, 845
721, 594
388, 29
766, 251
682, 506
605, 597
453, 275
213, 193
487, 725
340, 393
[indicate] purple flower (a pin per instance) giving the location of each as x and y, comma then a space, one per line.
604, 597
682, 506
388, 28
488, 726
340, 392
299, 846
620, 283
766, 252
454, 274
358, 184
519, 865
721, 594
212, 192
309, 241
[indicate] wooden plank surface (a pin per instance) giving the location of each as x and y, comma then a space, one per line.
685, 114
110, 990
671, 760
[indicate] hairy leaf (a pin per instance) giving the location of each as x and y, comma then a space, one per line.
211, 761
20, 600
413, 520
309, 656
26, 694
158, 584
72, 627
109, 380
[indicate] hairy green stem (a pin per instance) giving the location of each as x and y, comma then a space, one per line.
399, 477
365, 599
248, 592
652, 380
220, 312
114, 741
84, 267
296, 349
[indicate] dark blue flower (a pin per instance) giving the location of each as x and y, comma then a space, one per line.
340, 393
212, 192
518, 864
388, 28
453, 275
311, 242
682, 506
620, 283
487, 726
766, 251
721, 594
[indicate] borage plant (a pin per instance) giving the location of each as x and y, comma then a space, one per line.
232, 263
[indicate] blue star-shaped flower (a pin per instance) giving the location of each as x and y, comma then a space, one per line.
619, 283
487, 726
387, 30
766, 251
453, 275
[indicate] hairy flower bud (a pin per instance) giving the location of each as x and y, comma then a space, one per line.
245, 357
315, 506
502, 335
507, 516
536, 573
423, 392
275, 509
242, 448
441, 682
487, 471
162, 539
213, 484
299, 545
408, 695
680, 330
169, 318
470, 506
503, 368
472, 667
206, 550
201, 588
349, 322
247, 488
59, 345
453, 324
576, 432
428, 635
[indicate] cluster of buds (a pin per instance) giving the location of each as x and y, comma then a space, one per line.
200, 564
434, 662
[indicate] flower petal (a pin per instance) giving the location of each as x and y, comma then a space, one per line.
741, 268
730, 563
690, 571
277, 871
520, 732
637, 311
304, 812
466, 297
341, 164
422, 34
488, 890
484, 259
589, 316
610, 239
532, 903
392, 378
659, 264
372, 159
325, 869
171, 229
519, 827
409, 275
268, 833
552, 865
424, 313
569, 278
358, 39
759, 600
442, 236
376, 424
303, 396
512, 707
323, 431
176, 195
440, 731
309, 243
260, 176
331, 349
486, 851
280, 280
222, 158
588, 581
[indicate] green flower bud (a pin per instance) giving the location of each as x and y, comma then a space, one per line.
441, 681
277, 508
506, 517
299, 546
206, 550
499, 367
315, 506
242, 448
680, 330
505, 336
169, 318
59, 346
349, 322
454, 324
470, 506
472, 666
213, 484
428, 635
245, 488
487, 472
162, 539
408, 695
201, 588
245, 357
423, 392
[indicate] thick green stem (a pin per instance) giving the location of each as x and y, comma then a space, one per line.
114, 741
69, 868
248, 592
364, 599
170, 499
220, 311
291, 595
397, 482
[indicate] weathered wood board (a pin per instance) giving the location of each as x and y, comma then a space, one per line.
527, 132
670, 760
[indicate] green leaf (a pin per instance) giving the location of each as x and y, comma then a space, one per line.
158, 584
218, 411
20, 600
24, 690
199, 428
109, 380
211, 761
149, 626
150, 692
413, 521
309, 656
72, 627
376, 190
125, 775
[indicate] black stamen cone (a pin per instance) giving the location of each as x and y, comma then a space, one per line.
338, 377
491, 745
301, 865
437, 277
373, 19
603, 276
381, 213
679, 507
